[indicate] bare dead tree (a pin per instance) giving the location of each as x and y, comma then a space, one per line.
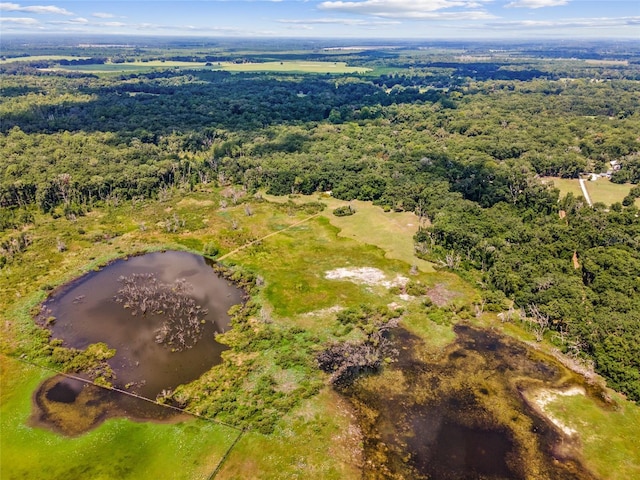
60, 245
63, 182
507, 316
174, 223
451, 260
538, 321
346, 360
182, 318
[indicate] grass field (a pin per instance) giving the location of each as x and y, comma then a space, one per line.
284, 66
390, 231
117, 449
566, 185
317, 441
319, 437
33, 58
601, 190
595, 424
299, 67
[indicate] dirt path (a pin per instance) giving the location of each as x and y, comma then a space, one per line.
228, 254
583, 186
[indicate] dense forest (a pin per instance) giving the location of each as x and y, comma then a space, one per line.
466, 144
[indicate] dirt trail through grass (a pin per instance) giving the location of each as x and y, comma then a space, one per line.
253, 242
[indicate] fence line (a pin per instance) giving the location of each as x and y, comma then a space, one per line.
227, 453
131, 394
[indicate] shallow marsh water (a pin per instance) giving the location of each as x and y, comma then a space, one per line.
86, 312
461, 415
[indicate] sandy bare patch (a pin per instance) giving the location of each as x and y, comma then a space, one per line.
440, 295
325, 311
541, 398
367, 276
192, 202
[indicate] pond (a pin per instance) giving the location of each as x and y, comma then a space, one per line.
149, 359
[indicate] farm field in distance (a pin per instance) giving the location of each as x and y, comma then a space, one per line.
157, 65
410, 281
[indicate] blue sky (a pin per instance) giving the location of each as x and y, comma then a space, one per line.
425, 19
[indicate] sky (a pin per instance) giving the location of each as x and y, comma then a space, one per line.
373, 19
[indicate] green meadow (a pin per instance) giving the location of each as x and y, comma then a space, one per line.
292, 249
602, 190
33, 58
118, 448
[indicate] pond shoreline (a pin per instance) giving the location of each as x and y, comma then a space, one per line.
133, 370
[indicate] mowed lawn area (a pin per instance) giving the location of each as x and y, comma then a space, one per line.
601, 190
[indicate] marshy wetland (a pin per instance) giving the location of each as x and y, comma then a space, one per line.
90, 310
454, 399
461, 414
398, 292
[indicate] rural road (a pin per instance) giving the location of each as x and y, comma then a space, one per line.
583, 186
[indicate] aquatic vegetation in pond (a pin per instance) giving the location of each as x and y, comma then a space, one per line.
176, 295
182, 318
72, 407
86, 313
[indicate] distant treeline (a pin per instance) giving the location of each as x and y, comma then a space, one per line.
464, 151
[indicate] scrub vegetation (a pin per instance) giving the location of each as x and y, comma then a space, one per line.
451, 227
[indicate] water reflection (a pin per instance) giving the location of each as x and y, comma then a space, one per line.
86, 312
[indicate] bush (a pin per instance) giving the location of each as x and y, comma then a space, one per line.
344, 211
210, 250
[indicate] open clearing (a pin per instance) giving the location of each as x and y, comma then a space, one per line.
284, 66
391, 231
607, 192
543, 397
118, 448
306, 67
35, 58
602, 190
593, 424
318, 439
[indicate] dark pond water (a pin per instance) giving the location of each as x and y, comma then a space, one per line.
72, 407
86, 312
461, 416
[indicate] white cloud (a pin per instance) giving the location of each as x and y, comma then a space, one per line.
103, 15
19, 20
42, 9
73, 21
537, 3
340, 21
184, 28
411, 9
112, 24
603, 22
